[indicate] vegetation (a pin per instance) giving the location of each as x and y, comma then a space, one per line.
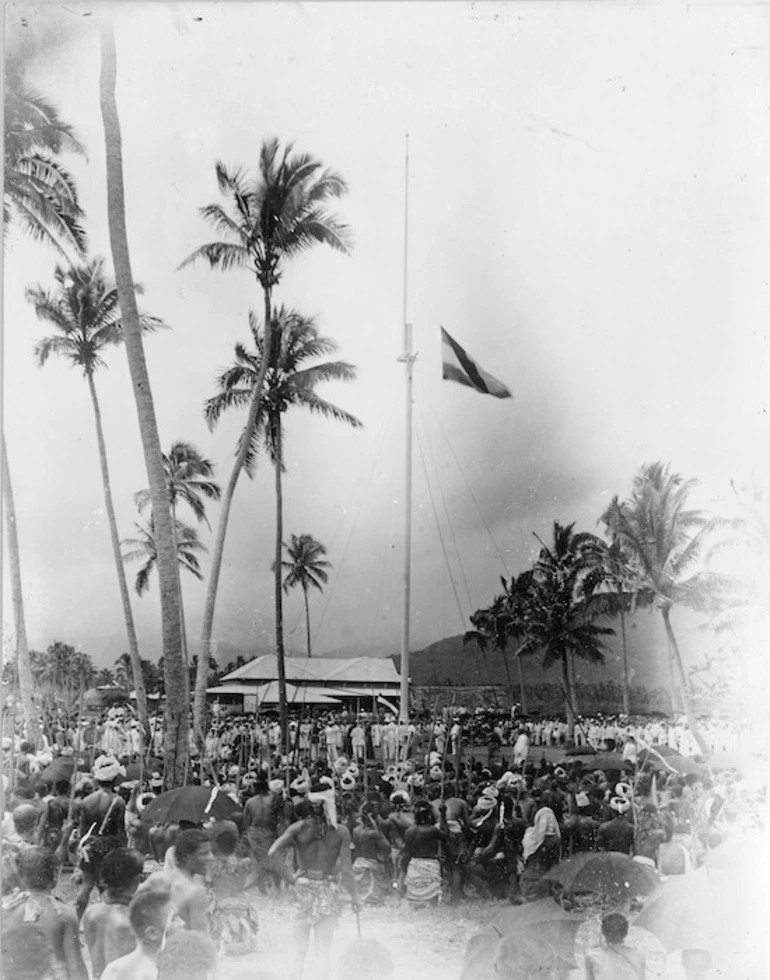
177, 703
273, 216
289, 381
305, 567
83, 308
39, 196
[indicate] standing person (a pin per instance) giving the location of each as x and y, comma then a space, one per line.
389, 741
150, 915
375, 732
541, 849
521, 750
102, 827
49, 831
185, 881
105, 927
35, 906
617, 834
614, 960
358, 742
323, 853
260, 826
305, 731
420, 863
333, 734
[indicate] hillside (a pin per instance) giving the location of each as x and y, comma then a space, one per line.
449, 661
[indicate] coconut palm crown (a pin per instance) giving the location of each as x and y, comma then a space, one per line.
39, 194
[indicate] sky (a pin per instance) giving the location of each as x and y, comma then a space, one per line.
587, 214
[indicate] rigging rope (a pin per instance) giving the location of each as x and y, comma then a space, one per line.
375, 451
438, 527
446, 514
498, 553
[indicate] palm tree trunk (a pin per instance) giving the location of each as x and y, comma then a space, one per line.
128, 616
199, 707
568, 698
177, 707
676, 657
522, 694
307, 622
626, 687
573, 681
23, 664
279, 650
185, 652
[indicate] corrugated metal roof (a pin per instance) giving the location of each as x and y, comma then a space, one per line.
360, 670
268, 693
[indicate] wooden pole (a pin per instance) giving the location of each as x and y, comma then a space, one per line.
75, 757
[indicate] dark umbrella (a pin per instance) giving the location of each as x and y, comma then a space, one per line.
62, 768
544, 921
608, 873
192, 803
580, 750
602, 760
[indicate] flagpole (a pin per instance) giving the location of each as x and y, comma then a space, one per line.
408, 360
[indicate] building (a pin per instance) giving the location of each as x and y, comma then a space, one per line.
322, 681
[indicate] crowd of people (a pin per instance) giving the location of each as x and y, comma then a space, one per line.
357, 809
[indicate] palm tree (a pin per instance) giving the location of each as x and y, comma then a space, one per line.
561, 607
277, 214
503, 620
105, 678
623, 593
188, 477
144, 547
177, 705
287, 382
667, 538
84, 309
124, 672
305, 568
39, 196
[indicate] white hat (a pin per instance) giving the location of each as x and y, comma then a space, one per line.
106, 769
619, 804
485, 803
143, 799
348, 781
275, 786
490, 793
435, 772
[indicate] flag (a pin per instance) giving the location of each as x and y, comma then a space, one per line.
458, 366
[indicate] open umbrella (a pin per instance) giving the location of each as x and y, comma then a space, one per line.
607, 873
580, 750
600, 760
62, 768
192, 803
545, 922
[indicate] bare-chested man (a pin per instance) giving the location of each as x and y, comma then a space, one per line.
323, 855
105, 926
185, 880
372, 860
614, 960
458, 852
38, 869
261, 817
102, 827
399, 820
420, 863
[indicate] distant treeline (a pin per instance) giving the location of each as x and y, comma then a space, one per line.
545, 698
